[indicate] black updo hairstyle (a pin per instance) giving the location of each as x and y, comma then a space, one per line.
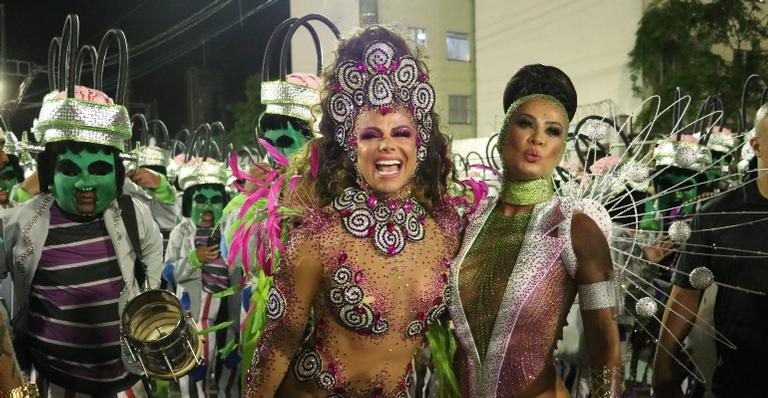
541, 79
46, 161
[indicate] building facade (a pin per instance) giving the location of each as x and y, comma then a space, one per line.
444, 30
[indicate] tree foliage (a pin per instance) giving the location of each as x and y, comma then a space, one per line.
704, 47
247, 112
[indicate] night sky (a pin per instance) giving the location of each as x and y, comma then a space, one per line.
157, 73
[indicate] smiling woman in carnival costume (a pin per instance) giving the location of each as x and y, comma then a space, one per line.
361, 278
526, 254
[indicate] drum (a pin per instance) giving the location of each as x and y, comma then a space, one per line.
160, 336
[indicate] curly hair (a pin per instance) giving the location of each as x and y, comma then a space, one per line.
338, 172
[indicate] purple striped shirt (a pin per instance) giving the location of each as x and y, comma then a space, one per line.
74, 322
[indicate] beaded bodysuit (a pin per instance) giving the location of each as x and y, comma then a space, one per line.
369, 312
524, 303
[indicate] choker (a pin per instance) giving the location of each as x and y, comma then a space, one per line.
528, 192
389, 223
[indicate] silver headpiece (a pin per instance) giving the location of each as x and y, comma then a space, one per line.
81, 114
202, 172
380, 81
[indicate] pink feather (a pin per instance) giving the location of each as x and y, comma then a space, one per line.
252, 198
276, 156
294, 180
247, 316
480, 189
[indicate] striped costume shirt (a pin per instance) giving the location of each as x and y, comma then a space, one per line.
74, 325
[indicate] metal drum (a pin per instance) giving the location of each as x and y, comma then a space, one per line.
160, 336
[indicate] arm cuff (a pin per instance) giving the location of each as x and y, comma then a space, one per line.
597, 295
606, 382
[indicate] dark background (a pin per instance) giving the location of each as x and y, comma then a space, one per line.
157, 68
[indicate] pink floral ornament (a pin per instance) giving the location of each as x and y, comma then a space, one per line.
604, 165
689, 139
88, 94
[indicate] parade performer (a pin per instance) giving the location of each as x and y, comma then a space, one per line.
526, 254
67, 249
193, 249
11, 175
368, 235
149, 182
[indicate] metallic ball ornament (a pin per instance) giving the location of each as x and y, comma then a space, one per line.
646, 307
679, 231
636, 173
685, 156
595, 129
701, 278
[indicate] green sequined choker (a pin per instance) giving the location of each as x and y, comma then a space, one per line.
529, 192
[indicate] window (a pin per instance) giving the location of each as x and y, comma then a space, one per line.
418, 35
459, 109
369, 12
458, 46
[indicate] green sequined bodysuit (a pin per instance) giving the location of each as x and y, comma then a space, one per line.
486, 270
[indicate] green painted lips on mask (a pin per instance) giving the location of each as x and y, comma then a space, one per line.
7, 180
205, 200
84, 183
288, 140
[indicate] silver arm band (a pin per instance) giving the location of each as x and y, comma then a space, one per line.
597, 295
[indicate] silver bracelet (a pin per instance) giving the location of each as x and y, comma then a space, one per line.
594, 296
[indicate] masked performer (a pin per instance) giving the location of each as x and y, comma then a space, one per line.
149, 182
10, 176
67, 249
194, 249
368, 249
526, 254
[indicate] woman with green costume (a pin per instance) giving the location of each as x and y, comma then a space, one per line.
527, 253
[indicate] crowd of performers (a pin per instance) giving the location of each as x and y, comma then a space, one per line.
351, 261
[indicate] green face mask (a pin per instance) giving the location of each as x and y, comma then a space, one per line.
288, 141
84, 183
205, 200
7, 180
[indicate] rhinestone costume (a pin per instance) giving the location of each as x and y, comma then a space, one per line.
538, 290
370, 308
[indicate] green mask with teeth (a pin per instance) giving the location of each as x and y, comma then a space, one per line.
84, 183
205, 200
